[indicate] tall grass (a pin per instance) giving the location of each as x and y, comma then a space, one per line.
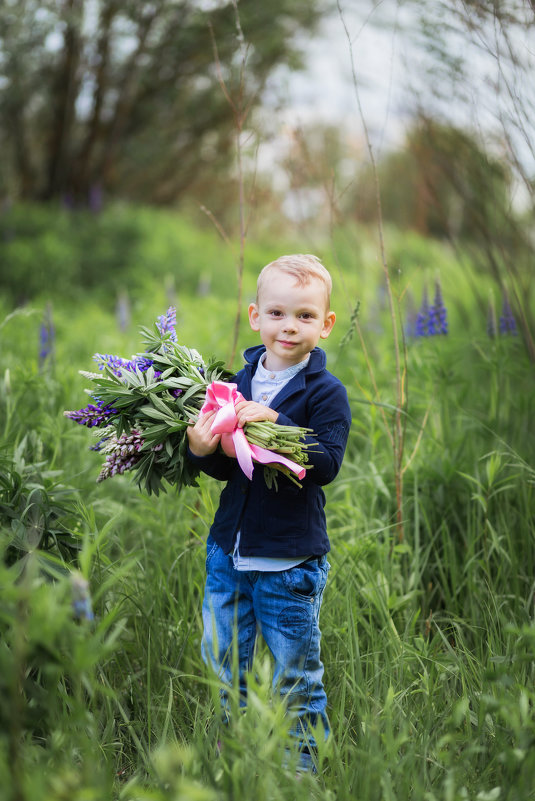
428, 643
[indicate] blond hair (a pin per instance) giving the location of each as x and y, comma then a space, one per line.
303, 267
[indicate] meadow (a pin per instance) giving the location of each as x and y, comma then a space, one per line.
428, 626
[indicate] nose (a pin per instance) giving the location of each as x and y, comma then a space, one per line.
289, 324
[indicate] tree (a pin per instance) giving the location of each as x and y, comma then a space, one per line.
481, 61
124, 96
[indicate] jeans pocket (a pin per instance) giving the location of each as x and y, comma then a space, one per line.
307, 580
211, 548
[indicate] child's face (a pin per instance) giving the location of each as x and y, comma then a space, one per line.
291, 319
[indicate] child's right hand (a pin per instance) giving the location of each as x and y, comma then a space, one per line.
201, 440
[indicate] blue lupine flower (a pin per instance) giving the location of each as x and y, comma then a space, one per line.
438, 318
94, 414
507, 320
410, 320
117, 364
166, 323
421, 326
47, 336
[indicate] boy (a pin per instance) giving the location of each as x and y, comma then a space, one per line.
266, 553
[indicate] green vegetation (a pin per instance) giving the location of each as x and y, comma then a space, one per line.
428, 641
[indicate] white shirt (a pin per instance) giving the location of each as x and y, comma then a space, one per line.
265, 385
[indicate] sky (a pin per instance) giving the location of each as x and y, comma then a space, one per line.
398, 68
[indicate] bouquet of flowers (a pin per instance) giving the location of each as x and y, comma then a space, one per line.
141, 408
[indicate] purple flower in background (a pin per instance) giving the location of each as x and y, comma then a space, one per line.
95, 198
47, 337
122, 311
410, 320
507, 320
95, 414
421, 326
166, 323
438, 318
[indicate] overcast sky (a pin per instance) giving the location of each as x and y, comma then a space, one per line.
326, 90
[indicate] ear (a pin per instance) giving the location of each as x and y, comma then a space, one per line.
254, 317
328, 323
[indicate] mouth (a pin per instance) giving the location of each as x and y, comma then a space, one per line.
286, 343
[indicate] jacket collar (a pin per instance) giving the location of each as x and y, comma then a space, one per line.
316, 363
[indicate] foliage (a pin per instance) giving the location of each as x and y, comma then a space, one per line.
427, 644
36, 511
124, 98
106, 253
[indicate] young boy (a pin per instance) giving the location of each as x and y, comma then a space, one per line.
266, 553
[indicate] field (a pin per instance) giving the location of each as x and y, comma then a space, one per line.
428, 626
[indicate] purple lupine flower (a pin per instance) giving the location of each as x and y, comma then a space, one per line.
421, 326
507, 320
47, 336
438, 318
117, 364
122, 454
166, 323
93, 415
122, 311
410, 320
95, 198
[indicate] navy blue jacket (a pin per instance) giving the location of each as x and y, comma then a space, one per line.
289, 521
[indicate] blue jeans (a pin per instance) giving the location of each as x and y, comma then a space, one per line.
284, 606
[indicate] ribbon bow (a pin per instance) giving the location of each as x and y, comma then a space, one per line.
222, 397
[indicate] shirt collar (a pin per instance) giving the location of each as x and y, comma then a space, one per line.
279, 376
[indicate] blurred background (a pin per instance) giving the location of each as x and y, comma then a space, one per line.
159, 143
158, 153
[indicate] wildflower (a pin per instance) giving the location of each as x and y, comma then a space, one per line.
421, 326
94, 414
47, 337
96, 198
166, 323
122, 311
438, 321
410, 320
122, 454
81, 598
507, 320
117, 364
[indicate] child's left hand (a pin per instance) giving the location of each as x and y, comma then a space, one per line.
251, 412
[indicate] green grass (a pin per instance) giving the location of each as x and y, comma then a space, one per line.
428, 642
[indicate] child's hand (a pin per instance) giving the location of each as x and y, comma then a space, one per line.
251, 412
201, 440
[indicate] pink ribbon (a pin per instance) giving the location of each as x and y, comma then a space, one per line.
222, 397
